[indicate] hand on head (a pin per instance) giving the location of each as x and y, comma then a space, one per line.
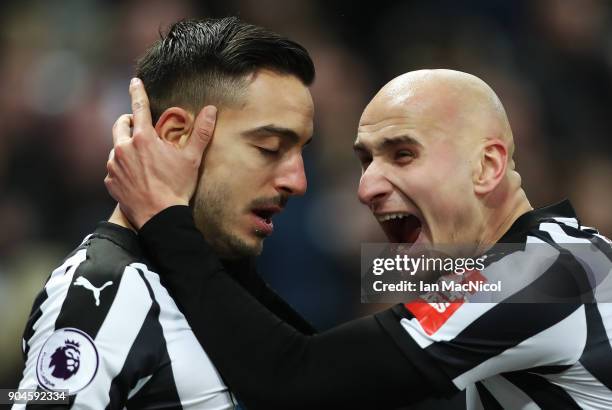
147, 174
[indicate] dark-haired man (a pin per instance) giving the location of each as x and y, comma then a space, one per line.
436, 151
103, 316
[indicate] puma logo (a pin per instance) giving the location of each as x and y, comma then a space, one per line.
82, 281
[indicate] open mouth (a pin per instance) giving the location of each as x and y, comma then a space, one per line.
264, 214
263, 219
400, 227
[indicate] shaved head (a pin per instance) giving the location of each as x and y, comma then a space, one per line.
437, 145
451, 99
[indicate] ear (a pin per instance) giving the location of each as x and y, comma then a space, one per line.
492, 166
175, 125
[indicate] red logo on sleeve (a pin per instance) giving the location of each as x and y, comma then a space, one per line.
435, 308
432, 316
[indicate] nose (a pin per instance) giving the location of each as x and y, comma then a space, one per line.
291, 177
373, 186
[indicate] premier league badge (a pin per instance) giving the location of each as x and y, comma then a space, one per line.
67, 361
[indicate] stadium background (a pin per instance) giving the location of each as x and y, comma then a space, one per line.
65, 68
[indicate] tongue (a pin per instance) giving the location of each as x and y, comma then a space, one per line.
411, 228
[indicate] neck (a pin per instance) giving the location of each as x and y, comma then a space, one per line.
502, 219
119, 218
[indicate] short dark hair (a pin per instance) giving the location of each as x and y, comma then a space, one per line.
201, 62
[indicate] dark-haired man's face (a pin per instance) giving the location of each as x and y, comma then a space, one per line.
254, 163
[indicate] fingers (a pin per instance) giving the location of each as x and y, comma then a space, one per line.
122, 129
140, 106
111, 165
108, 183
109, 180
205, 127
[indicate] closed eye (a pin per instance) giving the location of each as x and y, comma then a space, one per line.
404, 156
268, 151
364, 156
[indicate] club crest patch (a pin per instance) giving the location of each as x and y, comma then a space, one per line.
67, 361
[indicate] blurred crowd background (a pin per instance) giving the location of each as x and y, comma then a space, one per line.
64, 73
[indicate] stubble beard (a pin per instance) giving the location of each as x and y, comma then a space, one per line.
212, 219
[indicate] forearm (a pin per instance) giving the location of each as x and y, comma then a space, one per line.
283, 310
246, 274
267, 362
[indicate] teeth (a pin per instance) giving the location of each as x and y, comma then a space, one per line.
387, 217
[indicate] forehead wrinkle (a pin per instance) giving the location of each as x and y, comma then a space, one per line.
388, 126
376, 125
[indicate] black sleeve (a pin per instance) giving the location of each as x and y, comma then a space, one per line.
266, 362
246, 275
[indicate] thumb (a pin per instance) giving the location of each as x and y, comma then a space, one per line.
205, 126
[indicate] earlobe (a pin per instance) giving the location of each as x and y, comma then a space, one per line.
494, 162
175, 125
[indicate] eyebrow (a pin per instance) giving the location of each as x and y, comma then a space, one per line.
387, 143
270, 129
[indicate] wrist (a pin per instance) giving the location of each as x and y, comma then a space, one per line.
166, 221
168, 202
143, 215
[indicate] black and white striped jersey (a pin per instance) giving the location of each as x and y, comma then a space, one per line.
106, 329
522, 355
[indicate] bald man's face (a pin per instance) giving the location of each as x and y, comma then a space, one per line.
417, 169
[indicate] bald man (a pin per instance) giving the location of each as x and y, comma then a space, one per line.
436, 153
436, 144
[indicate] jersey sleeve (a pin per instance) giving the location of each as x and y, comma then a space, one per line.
247, 276
460, 343
268, 363
82, 328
